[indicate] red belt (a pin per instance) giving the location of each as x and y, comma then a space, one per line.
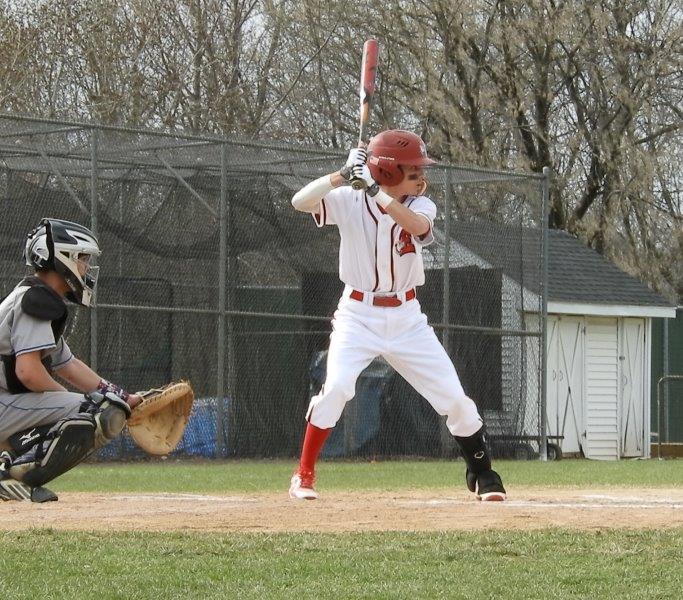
383, 300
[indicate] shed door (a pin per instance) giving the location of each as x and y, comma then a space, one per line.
631, 386
602, 393
565, 381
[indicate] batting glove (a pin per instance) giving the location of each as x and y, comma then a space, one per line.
362, 172
357, 156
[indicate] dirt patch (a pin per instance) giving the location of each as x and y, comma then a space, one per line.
527, 508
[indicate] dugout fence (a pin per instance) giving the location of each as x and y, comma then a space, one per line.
209, 274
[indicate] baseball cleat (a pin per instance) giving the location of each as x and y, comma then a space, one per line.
487, 486
301, 486
42, 494
11, 489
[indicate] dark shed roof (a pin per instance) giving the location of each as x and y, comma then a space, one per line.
576, 272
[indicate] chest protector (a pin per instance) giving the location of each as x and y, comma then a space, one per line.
42, 302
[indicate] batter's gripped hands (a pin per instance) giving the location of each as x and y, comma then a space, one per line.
357, 157
362, 171
134, 400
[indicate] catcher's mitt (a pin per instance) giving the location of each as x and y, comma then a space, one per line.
158, 422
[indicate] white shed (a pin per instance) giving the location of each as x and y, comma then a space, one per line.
598, 378
598, 353
598, 341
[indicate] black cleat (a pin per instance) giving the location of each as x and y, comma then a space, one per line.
11, 489
41, 494
487, 485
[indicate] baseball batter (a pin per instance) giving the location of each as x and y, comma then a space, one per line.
383, 230
46, 430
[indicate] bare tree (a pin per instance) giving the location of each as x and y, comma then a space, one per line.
591, 89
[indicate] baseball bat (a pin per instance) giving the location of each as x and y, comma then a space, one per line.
368, 72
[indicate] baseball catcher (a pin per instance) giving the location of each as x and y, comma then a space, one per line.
46, 430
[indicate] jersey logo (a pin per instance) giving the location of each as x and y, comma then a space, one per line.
404, 245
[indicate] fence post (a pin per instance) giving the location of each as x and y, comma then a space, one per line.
659, 410
446, 307
665, 371
93, 226
221, 442
446, 437
543, 445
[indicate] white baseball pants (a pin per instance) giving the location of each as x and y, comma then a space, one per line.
401, 335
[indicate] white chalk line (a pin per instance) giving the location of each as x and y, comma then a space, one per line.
629, 499
599, 501
187, 498
609, 503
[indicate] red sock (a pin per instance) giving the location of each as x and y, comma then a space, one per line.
314, 440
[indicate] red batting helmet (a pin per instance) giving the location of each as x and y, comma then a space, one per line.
388, 150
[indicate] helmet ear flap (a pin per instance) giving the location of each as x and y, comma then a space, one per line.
385, 172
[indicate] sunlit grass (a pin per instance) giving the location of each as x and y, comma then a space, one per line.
517, 565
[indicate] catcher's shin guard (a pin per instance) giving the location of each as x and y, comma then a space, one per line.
110, 413
66, 444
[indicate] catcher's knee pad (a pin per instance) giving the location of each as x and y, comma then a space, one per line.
109, 412
61, 448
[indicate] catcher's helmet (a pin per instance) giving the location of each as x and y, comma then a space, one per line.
391, 149
69, 249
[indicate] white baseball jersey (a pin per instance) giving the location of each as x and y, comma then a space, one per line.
377, 257
375, 254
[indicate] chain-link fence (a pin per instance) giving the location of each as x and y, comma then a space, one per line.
209, 274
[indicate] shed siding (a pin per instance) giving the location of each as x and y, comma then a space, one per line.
602, 415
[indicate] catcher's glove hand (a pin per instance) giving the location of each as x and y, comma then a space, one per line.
158, 422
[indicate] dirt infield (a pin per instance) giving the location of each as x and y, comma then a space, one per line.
527, 508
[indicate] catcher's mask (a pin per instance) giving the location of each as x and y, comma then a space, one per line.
390, 150
70, 250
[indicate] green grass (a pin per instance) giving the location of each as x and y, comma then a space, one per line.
554, 563
530, 565
251, 476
